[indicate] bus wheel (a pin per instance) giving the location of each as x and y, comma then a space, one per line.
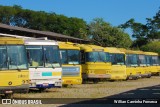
84, 81
65, 85
149, 76
95, 81
8, 96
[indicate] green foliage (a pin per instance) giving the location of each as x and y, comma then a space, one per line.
40, 20
103, 34
152, 46
144, 32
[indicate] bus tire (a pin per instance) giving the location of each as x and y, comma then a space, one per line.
95, 81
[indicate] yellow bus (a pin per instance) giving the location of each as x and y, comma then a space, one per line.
131, 59
118, 71
152, 62
135, 64
14, 74
142, 65
159, 64
95, 65
71, 67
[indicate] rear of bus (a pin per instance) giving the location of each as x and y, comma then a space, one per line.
44, 64
118, 71
70, 59
14, 74
95, 65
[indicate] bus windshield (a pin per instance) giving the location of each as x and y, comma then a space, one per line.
35, 56
43, 56
142, 61
70, 56
148, 60
96, 57
51, 54
131, 60
117, 59
155, 60
108, 59
13, 57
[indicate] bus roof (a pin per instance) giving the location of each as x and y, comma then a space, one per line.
131, 51
114, 50
39, 42
90, 48
151, 53
10, 40
68, 45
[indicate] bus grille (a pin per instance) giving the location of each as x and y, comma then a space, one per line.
100, 71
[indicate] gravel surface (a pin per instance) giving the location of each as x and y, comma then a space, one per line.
90, 90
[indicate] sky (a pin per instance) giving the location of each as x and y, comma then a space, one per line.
115, 12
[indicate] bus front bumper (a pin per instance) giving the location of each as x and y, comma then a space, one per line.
118, 77
105, 76
56, 85
71, 81
14, 89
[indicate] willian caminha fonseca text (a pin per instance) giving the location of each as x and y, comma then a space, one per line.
135, 101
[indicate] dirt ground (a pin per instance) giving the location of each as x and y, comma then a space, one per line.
90, 90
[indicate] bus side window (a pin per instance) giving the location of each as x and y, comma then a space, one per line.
82, 57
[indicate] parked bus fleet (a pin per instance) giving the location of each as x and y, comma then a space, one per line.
40, 63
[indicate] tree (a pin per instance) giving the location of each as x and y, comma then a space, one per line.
40, 20
102, 33
152, 47
144, 33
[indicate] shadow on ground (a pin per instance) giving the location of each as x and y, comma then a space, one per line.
150, 94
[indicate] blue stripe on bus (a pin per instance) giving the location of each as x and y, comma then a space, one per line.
46, 73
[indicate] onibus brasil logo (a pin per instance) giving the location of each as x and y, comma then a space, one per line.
20, 101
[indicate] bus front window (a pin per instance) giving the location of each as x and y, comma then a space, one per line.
95, 57
51, 56
73, 57
3, 58
155, 60
35, 56
63, 54
120, 59
148, 60
17, 57
108, 59
132, 60
117, 59
142, 61
113, 59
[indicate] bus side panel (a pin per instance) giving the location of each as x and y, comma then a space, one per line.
16, 81
131, 71
10, 78
72, 74
118, 72
45, 77
96, 70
